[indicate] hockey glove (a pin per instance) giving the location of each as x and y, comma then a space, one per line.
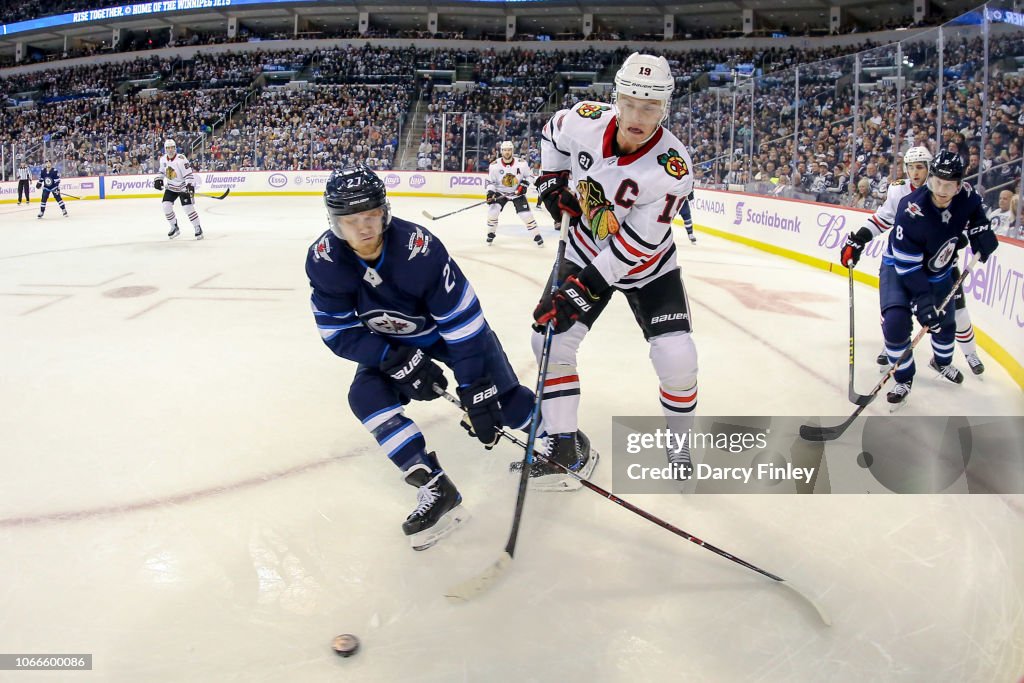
39, 184
983, 241
521, 190
854, 247
483, 411
413, 372
572, 301
158, 183
553, 192
191, 189
491, 196
923, 308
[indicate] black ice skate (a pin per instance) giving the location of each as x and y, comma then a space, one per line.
679, 460
883, 362
575, 454
199, 233
65, 213
897, 398
40, 215
947, 371
539, 240
490, 238
174, 232
977, 367
438, 507
693, 238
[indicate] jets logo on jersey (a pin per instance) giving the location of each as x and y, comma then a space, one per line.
509, 180
592, 111
943, 256
914, 210
673, 163
392, 323
418, 244
596, 207
322, 250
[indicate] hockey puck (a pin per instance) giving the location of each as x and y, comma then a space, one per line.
345, 645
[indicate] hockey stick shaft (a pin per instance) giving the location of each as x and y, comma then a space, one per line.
452, 213
215, 196
472, 587
850, 392
641, 512
68, 194
815, 433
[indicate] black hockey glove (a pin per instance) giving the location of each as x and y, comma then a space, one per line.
483, 411
854, 247
39, 184
572, 301
191, 189
923, 308
413, 372
983, 241
521, 190
553, 192
158, 183
492, 196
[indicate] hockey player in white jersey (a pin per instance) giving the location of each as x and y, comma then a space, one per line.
177, 181
917, 164
623, 177
507, 180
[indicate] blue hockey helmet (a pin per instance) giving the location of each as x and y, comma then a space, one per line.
354, 189
948, 166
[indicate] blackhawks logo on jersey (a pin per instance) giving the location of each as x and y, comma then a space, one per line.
599, 211
592, 111
673, 163
509, 180
171, 173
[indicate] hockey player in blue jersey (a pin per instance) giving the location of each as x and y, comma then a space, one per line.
387, 295
918, 267
687, 216
49, 180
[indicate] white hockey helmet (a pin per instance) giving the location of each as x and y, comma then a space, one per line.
646, 77
169, 146
917, 155
507, 146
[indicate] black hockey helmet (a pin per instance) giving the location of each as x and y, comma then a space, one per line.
948, 166
354, 189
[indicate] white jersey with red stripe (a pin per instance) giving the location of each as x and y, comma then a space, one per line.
628, 200
881, 220
177, 172
506, 177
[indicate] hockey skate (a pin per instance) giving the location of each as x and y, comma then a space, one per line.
490, 238
65, 214
576, 454
883, 363
899, 395
539, 240
693, 238
438, 510
947, 371
679, 460
40, 215
977, 367
199, 233
174, 232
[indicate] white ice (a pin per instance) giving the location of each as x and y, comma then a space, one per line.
185, 494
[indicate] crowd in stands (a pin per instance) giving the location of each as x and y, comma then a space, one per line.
356, 105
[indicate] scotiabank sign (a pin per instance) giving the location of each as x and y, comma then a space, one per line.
995, 290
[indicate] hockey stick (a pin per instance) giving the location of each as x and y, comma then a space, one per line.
856, 398
470, 588
452, 213
651, 518
214, 196
68, 194
816, 433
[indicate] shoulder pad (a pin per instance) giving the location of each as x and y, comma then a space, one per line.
591, 110
673, 163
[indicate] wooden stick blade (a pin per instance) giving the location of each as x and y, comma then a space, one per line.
471, 588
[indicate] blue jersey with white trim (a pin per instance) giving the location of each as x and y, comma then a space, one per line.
413, 295
922, 244
50, 179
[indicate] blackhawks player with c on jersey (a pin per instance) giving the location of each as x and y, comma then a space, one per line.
623, 177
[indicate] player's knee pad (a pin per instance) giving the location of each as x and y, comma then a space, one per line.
168, 207
527, 218
963, 319
563, 346
674, 356
493, 211
896, 325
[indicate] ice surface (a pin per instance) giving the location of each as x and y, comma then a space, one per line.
185, 494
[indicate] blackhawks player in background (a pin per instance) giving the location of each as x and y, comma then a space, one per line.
507, 180
177, 181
